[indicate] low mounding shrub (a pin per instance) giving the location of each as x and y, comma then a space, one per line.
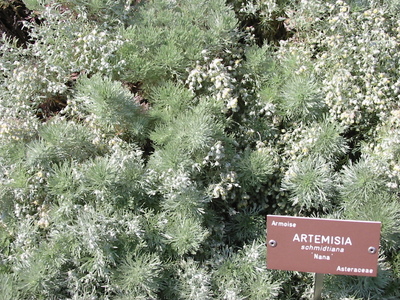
142, 143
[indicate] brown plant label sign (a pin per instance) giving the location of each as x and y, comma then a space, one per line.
327, 246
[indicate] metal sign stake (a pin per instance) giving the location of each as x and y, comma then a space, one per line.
318, 281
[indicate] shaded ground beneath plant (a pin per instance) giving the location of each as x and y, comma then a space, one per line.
13, 14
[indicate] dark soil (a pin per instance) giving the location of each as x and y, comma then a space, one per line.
13, 14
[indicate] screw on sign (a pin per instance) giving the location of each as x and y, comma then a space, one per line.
323, 246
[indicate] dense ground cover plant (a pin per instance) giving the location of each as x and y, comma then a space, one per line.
142, 143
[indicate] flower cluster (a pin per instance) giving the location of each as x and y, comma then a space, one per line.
64, 49
360, 83
322, 139
215, 155
225, 186
217, 79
